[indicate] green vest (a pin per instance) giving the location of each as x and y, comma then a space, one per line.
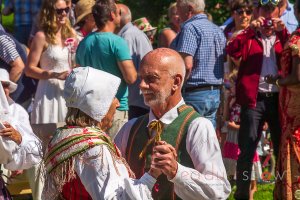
174, 134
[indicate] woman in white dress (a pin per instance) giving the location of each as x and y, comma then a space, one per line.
48, 62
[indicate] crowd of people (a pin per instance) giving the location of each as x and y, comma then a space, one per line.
181, 121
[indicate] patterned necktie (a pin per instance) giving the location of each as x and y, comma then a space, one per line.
156, 126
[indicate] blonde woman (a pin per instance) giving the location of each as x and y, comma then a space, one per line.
168, 34
48, 62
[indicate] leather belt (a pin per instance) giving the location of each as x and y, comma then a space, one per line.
267, 94
202, 88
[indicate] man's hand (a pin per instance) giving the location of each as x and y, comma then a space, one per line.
164, 158
270, 79
11, 133
258, 23
278, 24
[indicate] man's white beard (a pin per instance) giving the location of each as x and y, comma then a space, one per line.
160, 98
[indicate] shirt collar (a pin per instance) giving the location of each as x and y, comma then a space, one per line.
169, 116
125, 28
195, 17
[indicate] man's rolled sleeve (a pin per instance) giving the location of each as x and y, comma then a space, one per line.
187, 41
8, 49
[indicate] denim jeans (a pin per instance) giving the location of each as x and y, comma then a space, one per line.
205, 102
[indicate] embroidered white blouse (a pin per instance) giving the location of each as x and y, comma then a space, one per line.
102, 177
208, 180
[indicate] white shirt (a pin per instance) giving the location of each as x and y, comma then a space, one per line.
208, 180
28, 153
104, 179
269, 65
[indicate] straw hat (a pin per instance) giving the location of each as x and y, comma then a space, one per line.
84, 91
143, 24
4, 77
83, 8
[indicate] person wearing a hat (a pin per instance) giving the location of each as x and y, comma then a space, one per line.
19, 147
85, 22
144, 25
82, 162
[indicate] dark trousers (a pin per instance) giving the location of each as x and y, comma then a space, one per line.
136, 111
252, 121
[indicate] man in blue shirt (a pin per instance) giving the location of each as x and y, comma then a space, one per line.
139, 46
106, 51
201, 44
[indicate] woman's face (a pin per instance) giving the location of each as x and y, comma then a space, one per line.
242, 17
61, 10
106, 122
174, 17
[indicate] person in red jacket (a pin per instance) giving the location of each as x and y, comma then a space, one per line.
257, 51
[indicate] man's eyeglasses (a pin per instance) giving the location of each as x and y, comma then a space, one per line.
241, 12
273, 2
60, 11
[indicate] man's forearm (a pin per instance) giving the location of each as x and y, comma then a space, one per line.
16, 71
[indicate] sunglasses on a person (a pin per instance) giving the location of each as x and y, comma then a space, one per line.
241, 11
273, 2
60, 11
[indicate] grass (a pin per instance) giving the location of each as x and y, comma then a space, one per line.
264, 192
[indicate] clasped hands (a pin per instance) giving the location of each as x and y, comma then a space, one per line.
163, 160
11, 133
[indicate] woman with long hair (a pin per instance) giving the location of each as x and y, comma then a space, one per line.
48, 61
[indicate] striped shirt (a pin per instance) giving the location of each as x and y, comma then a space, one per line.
8, 51
204, 41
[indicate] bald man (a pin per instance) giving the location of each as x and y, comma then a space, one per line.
195, 169
139, 45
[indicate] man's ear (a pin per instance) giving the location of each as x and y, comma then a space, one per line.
178, 79
191, 9
112, 15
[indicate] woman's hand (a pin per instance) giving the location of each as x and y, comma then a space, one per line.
60, 75
11, 133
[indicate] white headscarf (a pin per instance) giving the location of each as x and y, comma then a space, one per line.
91, 91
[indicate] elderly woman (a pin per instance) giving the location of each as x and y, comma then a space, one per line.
82, 162
19, 147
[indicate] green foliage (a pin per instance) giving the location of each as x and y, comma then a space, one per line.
156, 10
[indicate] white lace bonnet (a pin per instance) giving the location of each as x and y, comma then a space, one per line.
91, 91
